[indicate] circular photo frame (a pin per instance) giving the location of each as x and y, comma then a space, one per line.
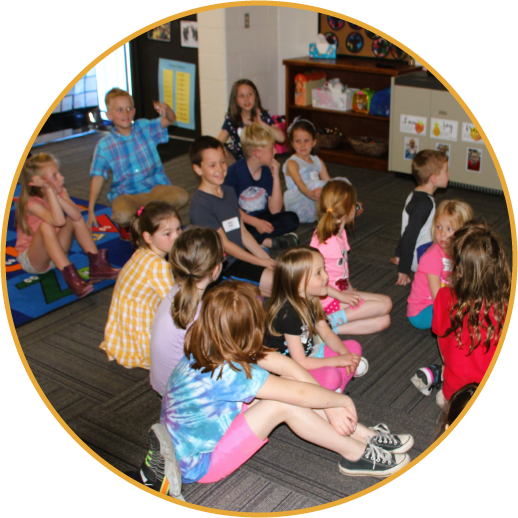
355, 27
397, 53
371, 35
331, 38
380, 47
354, 42
335, 23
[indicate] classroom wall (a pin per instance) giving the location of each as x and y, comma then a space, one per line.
296, 28
227, 52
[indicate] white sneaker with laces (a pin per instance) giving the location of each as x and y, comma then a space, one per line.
362, 369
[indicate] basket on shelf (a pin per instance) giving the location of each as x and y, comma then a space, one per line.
369, 146
329, 138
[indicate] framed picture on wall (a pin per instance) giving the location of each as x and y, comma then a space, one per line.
189, 33
354, 40
160, 33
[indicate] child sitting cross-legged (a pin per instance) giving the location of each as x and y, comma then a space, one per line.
215, 205
434, 267
469, 314
47, 221
430, 169
255, 179
350, 311
143, 282
295, 315
230, 392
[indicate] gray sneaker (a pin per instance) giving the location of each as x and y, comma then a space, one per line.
285, 241
375, 462
160, 470
400, 443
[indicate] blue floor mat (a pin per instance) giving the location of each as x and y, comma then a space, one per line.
32, 296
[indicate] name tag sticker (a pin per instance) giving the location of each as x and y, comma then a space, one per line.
231, 224
446, 264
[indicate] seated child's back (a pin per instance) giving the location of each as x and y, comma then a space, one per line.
430, 169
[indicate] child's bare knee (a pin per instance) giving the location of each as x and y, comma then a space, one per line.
384, 322
46, 228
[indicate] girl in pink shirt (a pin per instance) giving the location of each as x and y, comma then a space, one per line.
435, 265
350, 311
47, 221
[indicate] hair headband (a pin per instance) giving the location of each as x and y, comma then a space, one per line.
298, 119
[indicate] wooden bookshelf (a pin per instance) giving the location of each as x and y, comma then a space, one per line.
355, 73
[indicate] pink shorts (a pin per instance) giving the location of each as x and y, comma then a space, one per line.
334, 306
236, 446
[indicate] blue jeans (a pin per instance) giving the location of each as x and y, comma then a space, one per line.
424, 319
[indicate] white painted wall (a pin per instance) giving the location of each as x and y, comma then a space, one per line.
212, 60
296, 28
228, 52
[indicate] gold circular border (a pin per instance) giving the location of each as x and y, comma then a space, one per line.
211, 8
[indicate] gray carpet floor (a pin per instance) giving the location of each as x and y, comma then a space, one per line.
111, 408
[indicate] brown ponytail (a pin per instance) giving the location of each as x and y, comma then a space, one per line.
337, 199
195, 254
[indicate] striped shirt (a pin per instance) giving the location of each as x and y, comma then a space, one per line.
142, 284
133, 160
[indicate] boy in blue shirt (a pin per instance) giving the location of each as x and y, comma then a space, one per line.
129, 151
255, 179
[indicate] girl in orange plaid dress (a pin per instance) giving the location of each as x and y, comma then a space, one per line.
142, 284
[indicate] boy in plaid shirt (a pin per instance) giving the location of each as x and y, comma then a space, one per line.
129, 151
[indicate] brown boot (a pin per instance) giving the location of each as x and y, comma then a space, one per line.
100, 268
75, 282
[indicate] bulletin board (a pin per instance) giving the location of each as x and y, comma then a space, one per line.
354, 40
176, 88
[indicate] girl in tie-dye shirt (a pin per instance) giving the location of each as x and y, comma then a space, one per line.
221, 402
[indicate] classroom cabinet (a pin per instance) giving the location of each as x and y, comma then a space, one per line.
425, 115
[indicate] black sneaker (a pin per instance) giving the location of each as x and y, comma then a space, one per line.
428, 378
285, 241
375, 462
160, 470
399, 443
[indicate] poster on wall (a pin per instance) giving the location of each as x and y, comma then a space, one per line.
411, 147
160, 33
443, 148
189, 34
444, 129
469, 133
474, 160
176, 88
412, 124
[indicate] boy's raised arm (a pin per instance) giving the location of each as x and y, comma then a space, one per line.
165, 111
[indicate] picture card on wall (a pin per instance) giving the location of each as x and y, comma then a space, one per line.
413, 124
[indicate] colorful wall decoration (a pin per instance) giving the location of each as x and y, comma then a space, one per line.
354, 40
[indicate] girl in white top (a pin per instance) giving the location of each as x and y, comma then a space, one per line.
305, 173
196, 260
